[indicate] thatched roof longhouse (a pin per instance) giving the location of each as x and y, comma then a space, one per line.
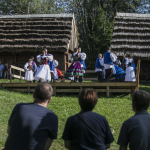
131, 32
58, 32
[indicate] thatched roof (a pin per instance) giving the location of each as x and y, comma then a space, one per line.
132, 34
58, 32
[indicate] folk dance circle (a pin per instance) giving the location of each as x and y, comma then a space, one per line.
107, 68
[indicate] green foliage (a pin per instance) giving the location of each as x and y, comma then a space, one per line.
31, 6
116, 109
95, 19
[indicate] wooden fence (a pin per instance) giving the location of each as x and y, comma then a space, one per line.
12, 68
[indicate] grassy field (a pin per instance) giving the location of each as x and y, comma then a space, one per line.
116, 109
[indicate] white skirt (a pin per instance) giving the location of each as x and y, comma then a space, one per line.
55, 74
29, 75
130, 74
43, 73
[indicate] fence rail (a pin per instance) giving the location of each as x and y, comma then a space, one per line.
16, 76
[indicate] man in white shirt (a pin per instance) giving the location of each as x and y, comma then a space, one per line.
1, 70
99, 66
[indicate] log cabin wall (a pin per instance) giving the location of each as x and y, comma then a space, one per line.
23, 36
131, 34
19, 59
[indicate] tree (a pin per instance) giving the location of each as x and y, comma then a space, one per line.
95, 19
31, 6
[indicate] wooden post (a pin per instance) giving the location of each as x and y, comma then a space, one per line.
28, 90
10, 74
132, 90
81, 88
20, 75
65, 61
107, 91
54, 90
138, 75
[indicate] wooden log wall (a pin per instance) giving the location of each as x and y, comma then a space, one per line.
19, 59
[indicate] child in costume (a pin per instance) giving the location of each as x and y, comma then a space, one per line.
29, 71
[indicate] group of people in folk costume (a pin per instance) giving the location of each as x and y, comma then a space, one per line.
108, 67
46, 71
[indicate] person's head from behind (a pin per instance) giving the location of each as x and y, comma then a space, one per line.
100, 55
45, 49
43, 93
32, 58
79, 49
43, 53
88, 99
75, 50
140, 100
109, 48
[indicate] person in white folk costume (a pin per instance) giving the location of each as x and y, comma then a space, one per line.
29, 71
109, 59
130, 74
43, 72
82, 57
99, 68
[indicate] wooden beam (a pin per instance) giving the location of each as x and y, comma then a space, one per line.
18, 77
72, 84
120, 90
17, 68
68, 90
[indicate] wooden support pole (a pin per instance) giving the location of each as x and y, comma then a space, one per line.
107, 92
54, 90
132, 90
10, 74
81, 88
20, 75
28, 90
65, 62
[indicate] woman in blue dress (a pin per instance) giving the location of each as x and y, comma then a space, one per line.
118, 72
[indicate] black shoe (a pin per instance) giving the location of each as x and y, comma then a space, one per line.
81, 79
75, 79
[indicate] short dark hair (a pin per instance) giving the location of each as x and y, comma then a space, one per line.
88, 99
75, 49
43, 92
31, 57
141, 100
108, 47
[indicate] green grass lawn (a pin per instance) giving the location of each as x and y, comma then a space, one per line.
116, 109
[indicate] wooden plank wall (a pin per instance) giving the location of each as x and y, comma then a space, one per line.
19, 59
